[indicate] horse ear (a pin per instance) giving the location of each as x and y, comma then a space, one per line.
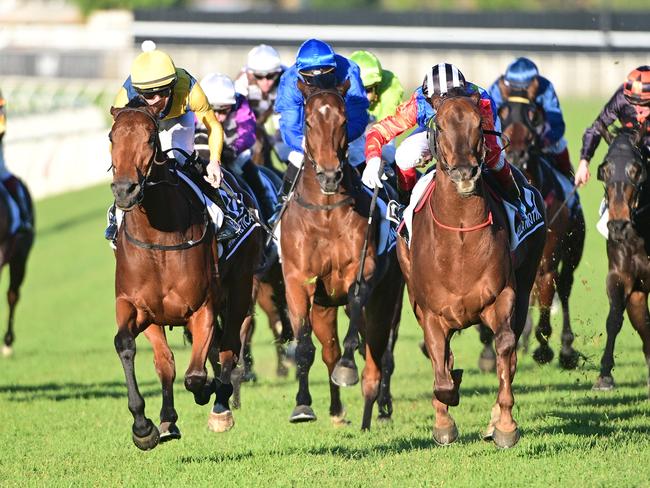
476, 96
435, 102
504, 111
344, 87
531, 91
115, 111
304, 88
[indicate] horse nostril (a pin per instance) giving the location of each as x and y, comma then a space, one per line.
132, 188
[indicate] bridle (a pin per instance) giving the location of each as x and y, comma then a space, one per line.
158, 157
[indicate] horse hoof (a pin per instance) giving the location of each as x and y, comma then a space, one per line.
339, 420
148, 441
302, 413
604, 383
443, 436
543, 355
168, 432
7, 351
345, 375
505, 440
488, 435
423, 348
385, 418
569, 360
487, 363
221, 422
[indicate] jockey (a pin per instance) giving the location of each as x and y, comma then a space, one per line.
10, 182
318, 65
630, 105
384, 92
177, 98
442, 80
238, 121
522, 75
258, 82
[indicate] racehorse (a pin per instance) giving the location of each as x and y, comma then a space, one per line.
522, 122
14, 250
167, 274
624, 173
459, 268
322, 234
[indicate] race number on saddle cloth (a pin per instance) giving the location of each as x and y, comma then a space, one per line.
520, 228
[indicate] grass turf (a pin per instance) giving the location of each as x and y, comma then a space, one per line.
66, 423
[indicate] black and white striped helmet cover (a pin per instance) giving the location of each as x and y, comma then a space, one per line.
442, 78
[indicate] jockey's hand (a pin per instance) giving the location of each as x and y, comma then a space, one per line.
424, 159
582, 173
213, 170
371, 177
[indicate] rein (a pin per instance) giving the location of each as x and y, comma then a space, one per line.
326, 207
482, 225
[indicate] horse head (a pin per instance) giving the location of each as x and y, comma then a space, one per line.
623, 171
326, 139
135, 146
522, 122
456, 140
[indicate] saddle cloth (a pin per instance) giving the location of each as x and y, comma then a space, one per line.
554, 184
520, 229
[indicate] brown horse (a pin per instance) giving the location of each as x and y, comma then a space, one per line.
459, 269
522, 122
14, 250
167, 274
624, 173
321, 240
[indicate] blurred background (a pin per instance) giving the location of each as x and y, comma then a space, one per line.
62, 61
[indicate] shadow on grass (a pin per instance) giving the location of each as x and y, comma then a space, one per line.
74, 391
73, 221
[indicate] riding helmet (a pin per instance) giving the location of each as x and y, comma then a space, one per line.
263, 59
636, 88
370, 67
152, 70
441, 79
520, 73
219, 89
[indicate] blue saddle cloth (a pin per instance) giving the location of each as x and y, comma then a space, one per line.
239, 214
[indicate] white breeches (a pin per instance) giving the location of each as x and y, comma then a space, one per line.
178, 132
410, 151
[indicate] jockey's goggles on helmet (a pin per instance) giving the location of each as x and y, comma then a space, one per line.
221, 109
266, 76
320, 77
637, 101
161, 92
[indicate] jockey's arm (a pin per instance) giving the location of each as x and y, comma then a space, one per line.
245, 120
390, 127
607, 116
356, 104
198, 103
551, 105
495, 93
494, 158
289, 106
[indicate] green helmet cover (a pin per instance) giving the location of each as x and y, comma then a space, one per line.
369, 65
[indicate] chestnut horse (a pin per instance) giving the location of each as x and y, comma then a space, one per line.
14, 250
166, 274
459, 268
624, 172
522, 122
321, 241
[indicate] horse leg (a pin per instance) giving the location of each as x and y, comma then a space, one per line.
144, 433
248, 328
385, 399
445, 389
615, 291
546, 289
487, 361
16, 277
201, 326
163, 359
500, 317
637, 311
324, 324
266, 301
346, 373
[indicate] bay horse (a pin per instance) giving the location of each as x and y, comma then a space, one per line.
321, 240
522, 122
166, 273
624, 173
459, 268
14, 250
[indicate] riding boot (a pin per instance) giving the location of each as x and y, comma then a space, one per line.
229, 228
252, 176
288, 181
110, 234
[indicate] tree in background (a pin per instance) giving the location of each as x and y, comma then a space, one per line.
87, 6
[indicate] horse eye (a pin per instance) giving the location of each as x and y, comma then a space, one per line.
110, 137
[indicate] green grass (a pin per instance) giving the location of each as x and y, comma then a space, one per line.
66, 423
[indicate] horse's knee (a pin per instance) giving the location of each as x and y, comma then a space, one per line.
505, 342
370, 386
195, 381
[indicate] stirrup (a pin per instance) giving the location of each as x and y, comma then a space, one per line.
228, 230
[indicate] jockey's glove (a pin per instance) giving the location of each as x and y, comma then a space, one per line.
371, 177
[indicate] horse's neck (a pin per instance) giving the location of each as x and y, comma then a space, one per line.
455, 210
